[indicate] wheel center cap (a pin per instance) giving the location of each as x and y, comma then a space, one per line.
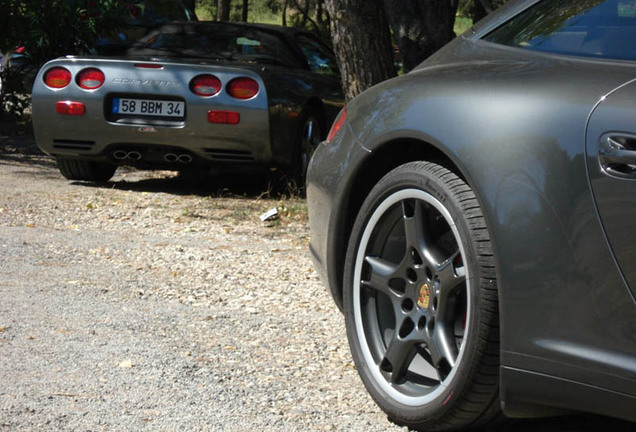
424, 297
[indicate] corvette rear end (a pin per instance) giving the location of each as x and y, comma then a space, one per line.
102, 113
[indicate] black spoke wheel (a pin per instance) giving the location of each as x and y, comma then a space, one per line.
421, 302
76, 169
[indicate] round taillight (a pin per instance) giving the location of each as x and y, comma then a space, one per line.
205, 85
57, 77
242, 88
90, 79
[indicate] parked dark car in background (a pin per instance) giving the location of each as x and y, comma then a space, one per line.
141, 17
189, 96
474, 219
20, 64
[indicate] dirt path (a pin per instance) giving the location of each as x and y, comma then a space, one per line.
151, 304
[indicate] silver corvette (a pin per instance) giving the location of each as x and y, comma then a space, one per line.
215, 96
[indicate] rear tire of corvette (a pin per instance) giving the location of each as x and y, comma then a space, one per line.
310, 137
75, 169
420, 301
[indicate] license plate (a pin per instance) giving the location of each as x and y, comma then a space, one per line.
147, 107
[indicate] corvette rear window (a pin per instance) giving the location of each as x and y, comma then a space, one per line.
589, 28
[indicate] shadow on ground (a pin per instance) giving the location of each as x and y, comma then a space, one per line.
206, 184
22, 149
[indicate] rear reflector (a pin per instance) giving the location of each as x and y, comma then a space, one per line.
337, 124
223, 117
205, 85
57, 77
70, 108
90, 79
242, 88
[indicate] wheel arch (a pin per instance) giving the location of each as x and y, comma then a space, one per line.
384, 158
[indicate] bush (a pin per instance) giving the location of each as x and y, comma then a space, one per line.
45, 30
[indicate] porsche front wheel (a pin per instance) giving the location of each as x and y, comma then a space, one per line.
420, 300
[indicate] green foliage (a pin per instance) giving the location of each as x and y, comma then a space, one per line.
462, 24
260, 11
57, 27
311, 15
206, 10
46, 30
308, 14
266, 11
466, 7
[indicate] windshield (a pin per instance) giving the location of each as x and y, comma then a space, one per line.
590, 28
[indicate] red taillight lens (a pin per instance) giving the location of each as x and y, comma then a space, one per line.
224, 117
205, 85
90, 79
242, 88
57, 77
337, 124
70, 108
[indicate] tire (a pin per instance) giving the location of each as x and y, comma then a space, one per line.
75, 169
420, 301
310, 137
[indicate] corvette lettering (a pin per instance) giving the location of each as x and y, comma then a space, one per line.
156, 83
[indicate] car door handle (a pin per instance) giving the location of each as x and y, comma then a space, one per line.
617, 154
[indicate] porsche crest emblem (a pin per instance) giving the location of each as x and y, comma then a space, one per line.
424, 297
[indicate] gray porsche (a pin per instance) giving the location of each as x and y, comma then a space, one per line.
190, 96
473, 220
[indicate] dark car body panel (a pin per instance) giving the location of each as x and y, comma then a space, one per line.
514, 124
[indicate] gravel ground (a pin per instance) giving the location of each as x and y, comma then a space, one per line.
149, 303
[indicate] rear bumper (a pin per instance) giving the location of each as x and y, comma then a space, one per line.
95, 138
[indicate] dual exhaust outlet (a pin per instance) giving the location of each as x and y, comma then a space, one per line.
123, 155
183, 158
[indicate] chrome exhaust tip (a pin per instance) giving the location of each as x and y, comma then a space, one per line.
134, 155
184, 158
120, 154
170, 157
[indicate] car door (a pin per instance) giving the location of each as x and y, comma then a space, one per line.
611, 155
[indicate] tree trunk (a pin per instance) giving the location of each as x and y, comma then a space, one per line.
244, 11
420, 27
305, 13
362, 43
454, 5
481, 9
190, 4
223, 10
319, 12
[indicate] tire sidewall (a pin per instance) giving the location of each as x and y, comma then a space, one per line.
300, 166
419, 176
